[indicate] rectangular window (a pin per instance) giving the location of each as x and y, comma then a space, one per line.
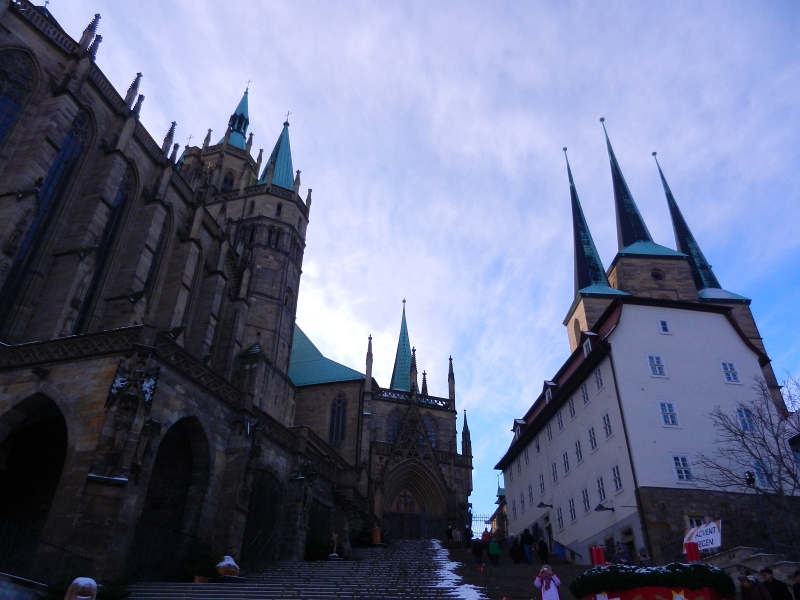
560, 419
587, 348
571, 406
541, 483
745, 419
585, 499
695, 521
683, 469
565, 458
607, 425
601, 489
549, 429
573, 515
527, 458
730, 372
585, 394
617, 477
656, 364
663, 326
598, 380
514, 509
559, 518
763, 474
669, 416
536, 444
522, 501
519, 466
592, 439
578, 452
530, 493
554, 472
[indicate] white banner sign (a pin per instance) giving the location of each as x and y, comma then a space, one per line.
706, 536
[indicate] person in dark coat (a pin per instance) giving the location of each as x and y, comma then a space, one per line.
449, 535
477, 553
526, 540
776, 588
753, 589
544, 552
516, 552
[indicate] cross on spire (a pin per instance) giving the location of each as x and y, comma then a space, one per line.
189, 141
249, 81
287, 116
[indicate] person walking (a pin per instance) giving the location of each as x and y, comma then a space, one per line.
776, 588
486, 537
544, 552
449, 535
477, 553
548, 582
526, 540
456, 537
753, 589
494, 552
516, 551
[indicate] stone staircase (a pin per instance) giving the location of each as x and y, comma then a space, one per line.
404, 570
507, 580
749, 561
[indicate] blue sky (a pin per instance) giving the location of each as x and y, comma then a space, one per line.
431, 134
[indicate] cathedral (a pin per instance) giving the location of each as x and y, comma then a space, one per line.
156, 394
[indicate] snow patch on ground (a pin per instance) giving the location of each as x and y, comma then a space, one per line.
446, 570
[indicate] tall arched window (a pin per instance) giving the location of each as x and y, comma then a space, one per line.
16, 86
278, 209
393, 424
227, 182
277, 240
49, 195
338, 415
270, 237
429, 424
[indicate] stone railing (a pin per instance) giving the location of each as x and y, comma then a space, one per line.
442, 456
38, 20
398, 396
107, 89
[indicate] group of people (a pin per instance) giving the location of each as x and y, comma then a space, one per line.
770, 588
521, 548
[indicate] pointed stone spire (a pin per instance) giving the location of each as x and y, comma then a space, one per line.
402, 360
237, 125
249, 143
630, 225
451, 385
207, 140
258, 160
589, 269
130, 97
137, 108
92, 51
279, 165
368, 379
702, 274
168, 139
89, 32
466, 439
412, 373
174, 156
296, 186
424, 383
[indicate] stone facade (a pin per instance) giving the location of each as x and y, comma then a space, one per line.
147, 318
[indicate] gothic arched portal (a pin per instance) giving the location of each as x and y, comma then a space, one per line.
33, 448
261, 527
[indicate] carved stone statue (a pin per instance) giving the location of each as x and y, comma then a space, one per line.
83, 588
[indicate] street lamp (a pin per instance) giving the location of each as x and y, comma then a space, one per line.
543, 505
601, 508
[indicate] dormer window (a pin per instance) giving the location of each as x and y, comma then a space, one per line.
587, 348
548, 395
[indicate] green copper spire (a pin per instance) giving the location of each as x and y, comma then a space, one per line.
588, 267
280, 161
401, 374
630, 225
238, 123
684, 240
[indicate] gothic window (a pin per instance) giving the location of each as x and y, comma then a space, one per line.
270, 236
227, 182
252, 235
277, 240
289, 299
338, 414
54, 186
393, 425
16, 86
429, 424
278, 209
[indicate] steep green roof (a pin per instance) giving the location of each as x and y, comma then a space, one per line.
281, 161
649, 249
308, 366
238, 123
401, 373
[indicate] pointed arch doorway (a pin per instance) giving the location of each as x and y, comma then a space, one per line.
416, 502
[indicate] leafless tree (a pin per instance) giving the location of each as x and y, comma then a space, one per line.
756, 444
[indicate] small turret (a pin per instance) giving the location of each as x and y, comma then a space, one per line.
130, 97
466, 441
168, 139
368, 380
92, 51
88, 33
413, 381
451, 385
297, 182
174, 156
207, 140
249, 143
424, 383
137, 108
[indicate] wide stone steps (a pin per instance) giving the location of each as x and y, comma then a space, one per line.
405, 570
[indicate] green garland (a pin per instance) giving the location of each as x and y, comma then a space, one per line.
614, 578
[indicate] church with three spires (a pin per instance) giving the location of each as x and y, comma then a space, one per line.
158, 401
608, 452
